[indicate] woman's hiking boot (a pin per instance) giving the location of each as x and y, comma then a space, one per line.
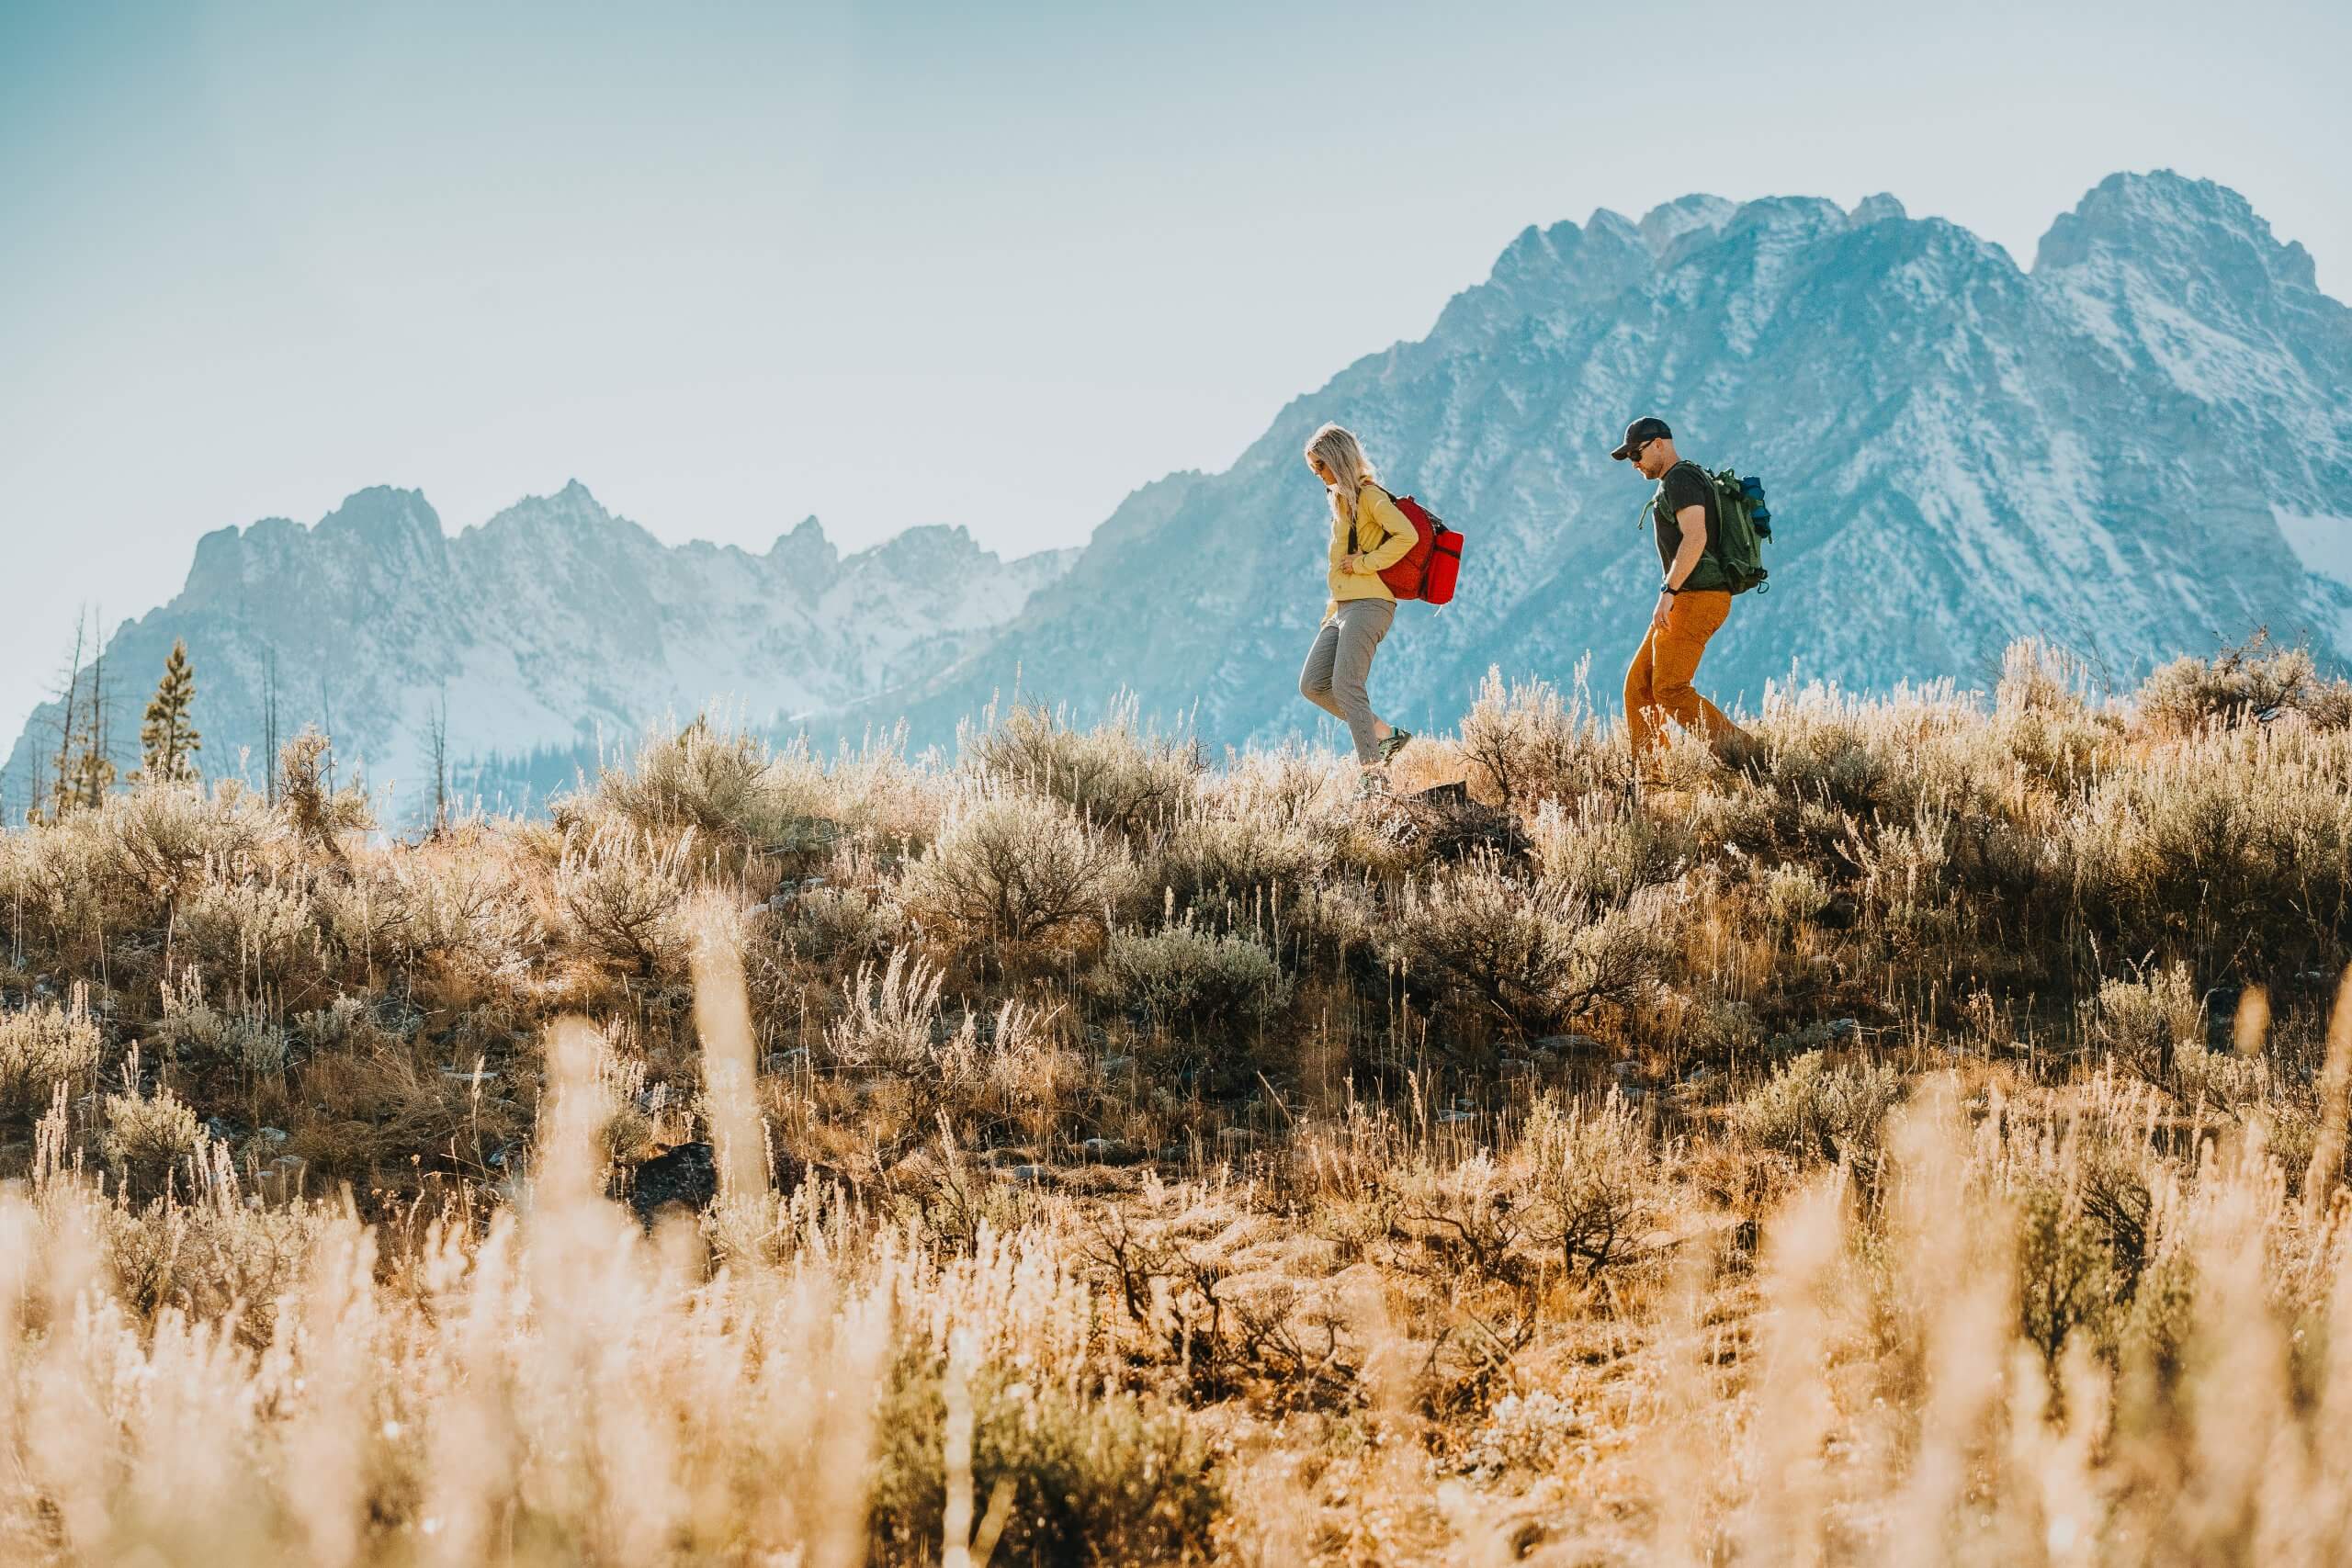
1398, 740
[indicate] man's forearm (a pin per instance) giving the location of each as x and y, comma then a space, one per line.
1686, 561
1693, 522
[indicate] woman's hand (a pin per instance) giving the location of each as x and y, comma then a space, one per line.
1352, 565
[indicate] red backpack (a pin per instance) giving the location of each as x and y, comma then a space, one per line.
1428, 568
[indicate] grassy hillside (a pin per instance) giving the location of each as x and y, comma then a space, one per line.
1923, 1144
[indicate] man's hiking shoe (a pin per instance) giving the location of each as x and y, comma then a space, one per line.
1398, 740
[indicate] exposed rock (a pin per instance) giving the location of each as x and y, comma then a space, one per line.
684, 1178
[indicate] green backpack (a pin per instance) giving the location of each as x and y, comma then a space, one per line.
1742, 525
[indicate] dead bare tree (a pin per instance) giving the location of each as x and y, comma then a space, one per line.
269, 722
68, 729
437, 738
327, 725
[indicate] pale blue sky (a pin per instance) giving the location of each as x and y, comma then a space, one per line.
902, 264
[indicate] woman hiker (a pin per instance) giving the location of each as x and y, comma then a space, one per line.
1368, 534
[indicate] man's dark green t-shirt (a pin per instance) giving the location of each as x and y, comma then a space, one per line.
1686, 485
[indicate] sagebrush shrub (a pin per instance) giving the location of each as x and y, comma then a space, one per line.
1589, 1176
2249, 682
167, 836
258, 927
1018, 869
460, 904
1795, 894
623, 897
2145, 1022
1602, 848
1028, 1077
148, 1137
45, 1044
2039, 677
1811, 1110
1192, 981
724, 786
1529, 958
213, 1259
319, 812
915, 1072
2067, 1277
1287, 787
1102, 1479
2243, 832
1524, 1432
57, 883
1115, 774
1238, 854
1526, 743
237, 1035
842, 923
889, 1020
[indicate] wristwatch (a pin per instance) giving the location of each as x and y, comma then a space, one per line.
1668, 588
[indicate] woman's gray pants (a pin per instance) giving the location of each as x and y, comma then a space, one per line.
1340, 663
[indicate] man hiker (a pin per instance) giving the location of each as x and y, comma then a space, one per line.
1692, 601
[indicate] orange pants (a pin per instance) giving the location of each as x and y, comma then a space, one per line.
1659, 686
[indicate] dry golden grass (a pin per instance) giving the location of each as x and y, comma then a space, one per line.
1924, 1146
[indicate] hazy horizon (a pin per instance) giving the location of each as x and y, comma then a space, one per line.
895, 265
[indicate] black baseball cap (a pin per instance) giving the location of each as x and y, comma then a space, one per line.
1648, 428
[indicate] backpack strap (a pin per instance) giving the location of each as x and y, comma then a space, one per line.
1352, 513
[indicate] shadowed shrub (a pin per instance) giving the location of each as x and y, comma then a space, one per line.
1529, 959
724, 787
1092, 1480
1190, 981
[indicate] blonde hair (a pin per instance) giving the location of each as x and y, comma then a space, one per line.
1342, 454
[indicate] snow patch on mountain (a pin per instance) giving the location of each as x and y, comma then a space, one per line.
2321, 541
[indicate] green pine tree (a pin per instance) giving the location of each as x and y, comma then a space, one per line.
168, 741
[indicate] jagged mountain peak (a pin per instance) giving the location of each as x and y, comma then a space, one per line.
573, 504
1880, 208
1547, 270
805, 554
1670, 221
946, 541
379, 507
2163, 218
1791, 217
803, 533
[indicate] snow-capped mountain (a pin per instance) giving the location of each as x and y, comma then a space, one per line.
2139, 447
552, 629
